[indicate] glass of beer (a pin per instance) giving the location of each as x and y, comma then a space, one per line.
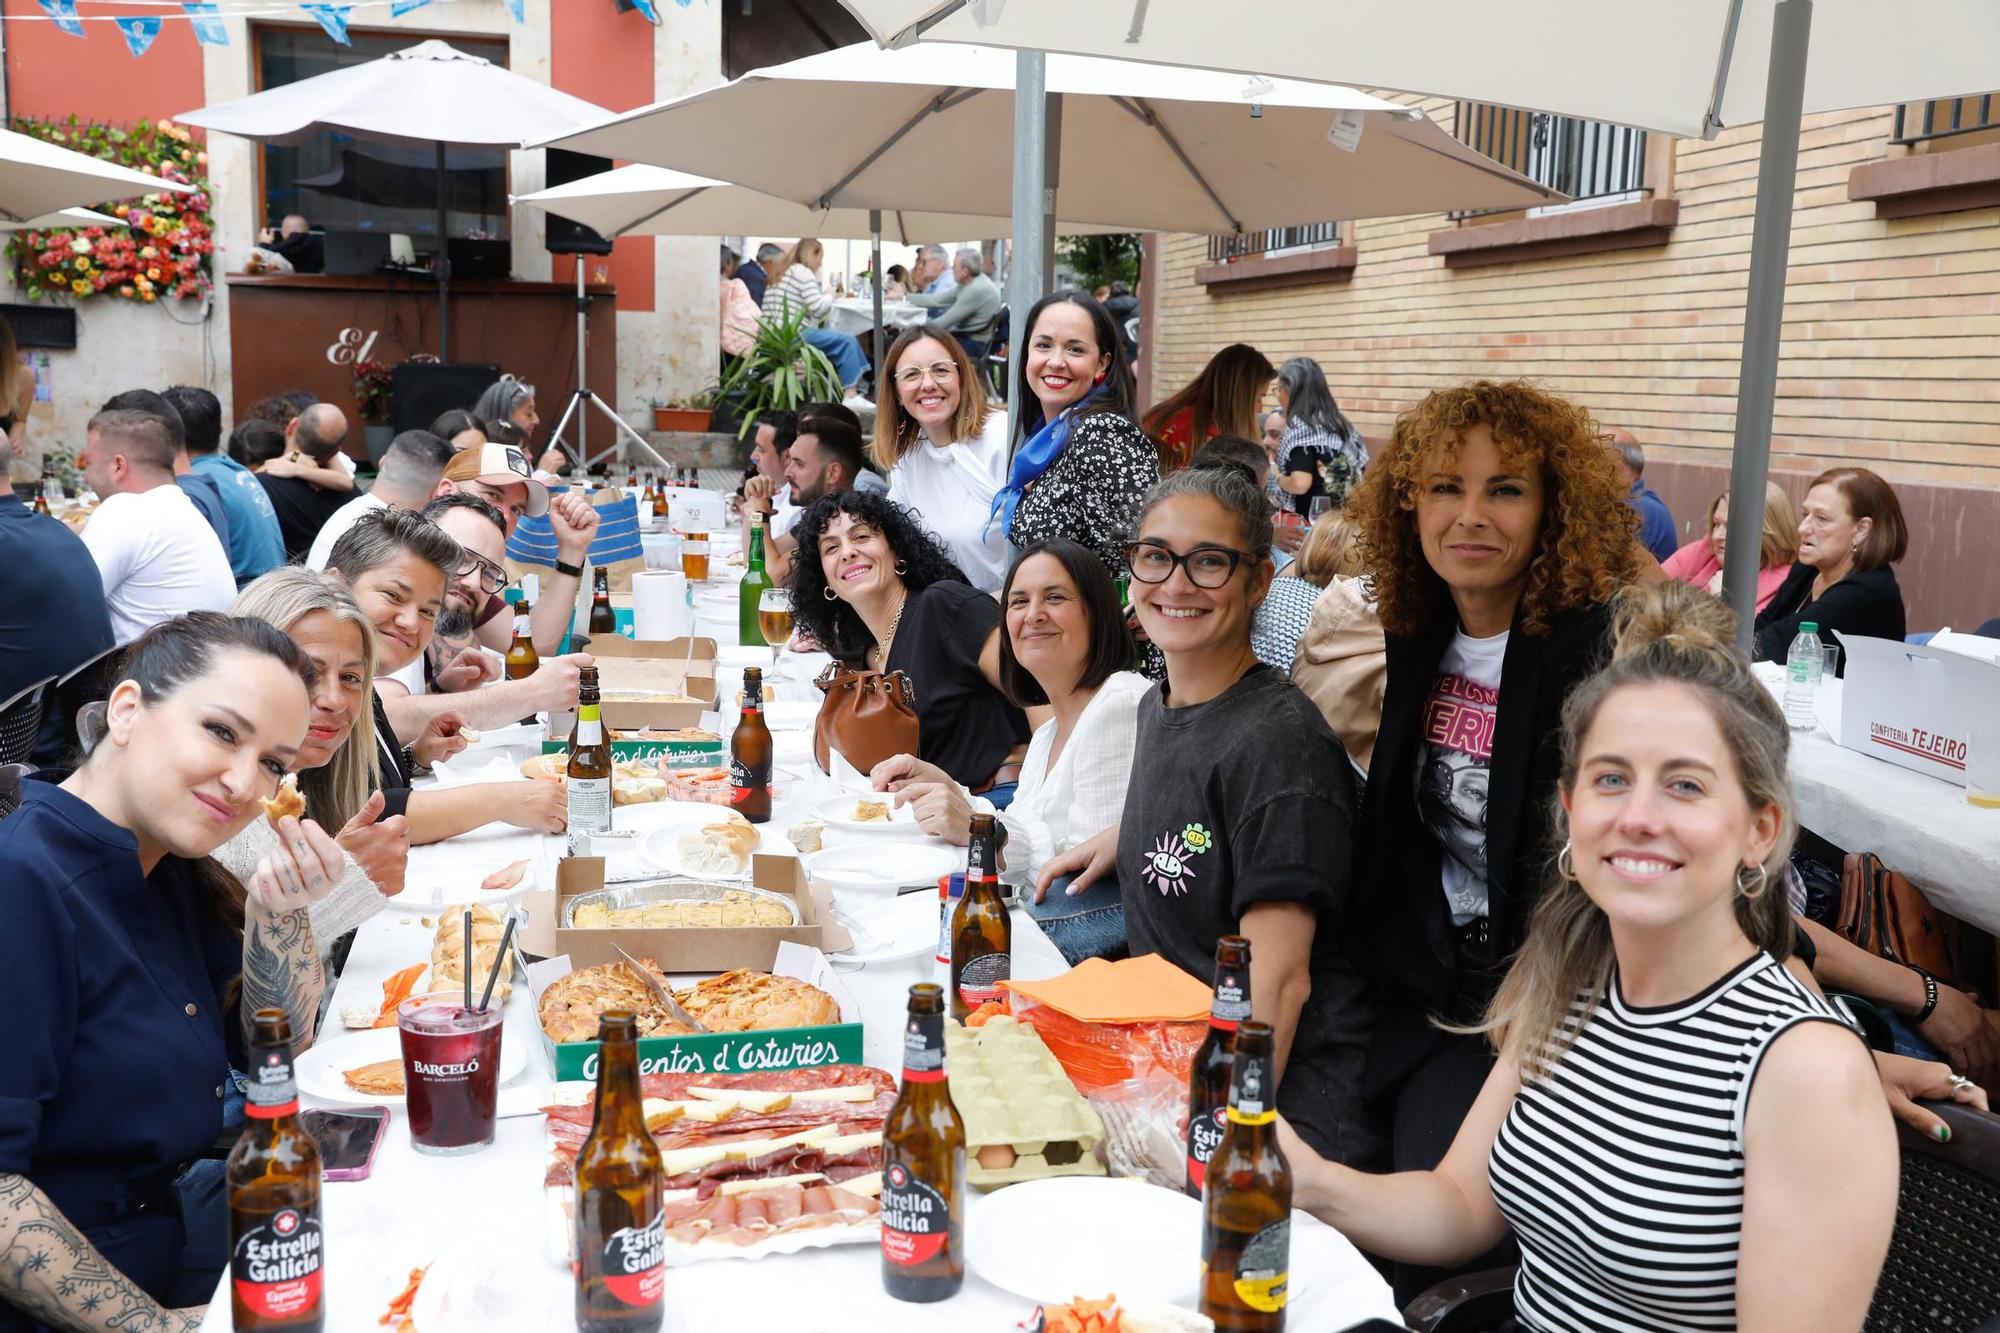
694, 556
774, 617
451, 1072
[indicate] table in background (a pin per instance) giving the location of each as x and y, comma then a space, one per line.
856, 315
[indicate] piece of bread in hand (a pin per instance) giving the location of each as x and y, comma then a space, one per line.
285, 801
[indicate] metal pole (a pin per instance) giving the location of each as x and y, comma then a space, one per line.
441, 263
1764, 307
582, 373
875, 256
1028, 258
1051, 178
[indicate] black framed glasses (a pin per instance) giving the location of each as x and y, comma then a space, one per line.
1206, 566
491, 576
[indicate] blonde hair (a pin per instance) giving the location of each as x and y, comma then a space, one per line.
896, 430
1331, 550
282, 598
1671, 633
806, 245
16, 381
1781, 528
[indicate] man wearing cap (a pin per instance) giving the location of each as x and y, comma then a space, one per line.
499, 474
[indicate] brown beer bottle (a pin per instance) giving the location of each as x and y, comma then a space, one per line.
1246, 1229
522, 659
750, 754
621, 1239
273, 1178
982, 934
1208, 1080
923, 1165
603, 620
42, 500
587, 777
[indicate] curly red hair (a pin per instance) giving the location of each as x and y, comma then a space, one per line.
1587, 549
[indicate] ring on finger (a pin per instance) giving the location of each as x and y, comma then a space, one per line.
1960, 1083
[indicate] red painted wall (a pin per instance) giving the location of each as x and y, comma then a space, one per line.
606, 57
95, 76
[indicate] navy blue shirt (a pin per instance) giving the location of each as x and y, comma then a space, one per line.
208, 499
113, 1057
1656, 522
52, 613
755, 278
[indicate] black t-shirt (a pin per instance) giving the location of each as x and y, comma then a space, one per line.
966, 727
302, 510
1242, 800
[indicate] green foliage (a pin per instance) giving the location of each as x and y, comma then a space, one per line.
780, 371
1099, 261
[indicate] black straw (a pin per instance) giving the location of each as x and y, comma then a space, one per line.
466, 969
499, 962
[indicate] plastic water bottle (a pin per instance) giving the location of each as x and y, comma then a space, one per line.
1803, 664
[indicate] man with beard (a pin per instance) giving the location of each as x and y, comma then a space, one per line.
824, 460
468, 683
499, 474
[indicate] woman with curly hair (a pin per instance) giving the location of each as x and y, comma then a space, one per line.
880, 594
1494, 533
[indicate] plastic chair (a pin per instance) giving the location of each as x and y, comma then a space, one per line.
1943, 1270
1468, 1303
86, 684
21, 721
11, 777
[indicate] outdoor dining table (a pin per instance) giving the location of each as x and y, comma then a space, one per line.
856, 315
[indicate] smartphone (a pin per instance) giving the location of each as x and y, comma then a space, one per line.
347, 1139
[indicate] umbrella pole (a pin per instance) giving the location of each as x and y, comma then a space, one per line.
1764, 306
1027, 259
875, 266
442, 264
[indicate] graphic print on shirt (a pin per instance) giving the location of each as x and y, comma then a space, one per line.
1167, 867
1452, 790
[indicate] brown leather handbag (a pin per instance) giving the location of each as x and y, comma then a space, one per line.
1888, 916
865, 715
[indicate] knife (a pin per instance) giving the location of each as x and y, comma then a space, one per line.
659, 992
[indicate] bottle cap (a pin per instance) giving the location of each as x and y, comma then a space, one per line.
1808, 627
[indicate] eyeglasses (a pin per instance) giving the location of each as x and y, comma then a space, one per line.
491, 576
1206, 566
944, 372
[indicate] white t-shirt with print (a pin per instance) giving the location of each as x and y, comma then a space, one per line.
158, 558
1458, 754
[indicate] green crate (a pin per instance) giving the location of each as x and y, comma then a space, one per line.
724, 1052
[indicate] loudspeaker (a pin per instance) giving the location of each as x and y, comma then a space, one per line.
426, 390
566, 237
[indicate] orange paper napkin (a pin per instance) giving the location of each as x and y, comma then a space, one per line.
1146, 989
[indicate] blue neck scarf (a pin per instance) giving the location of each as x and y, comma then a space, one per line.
1036, 455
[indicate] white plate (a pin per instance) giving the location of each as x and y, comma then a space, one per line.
838, 812
883, 867
898, 928
1158, 1254
319, 1069
658, 847
440, 886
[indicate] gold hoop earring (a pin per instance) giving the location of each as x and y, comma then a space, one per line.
1763, 880
1566, 863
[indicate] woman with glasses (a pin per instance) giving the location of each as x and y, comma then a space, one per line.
944, 447
1240, 820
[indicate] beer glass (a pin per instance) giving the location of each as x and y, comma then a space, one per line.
774, 618
694, 556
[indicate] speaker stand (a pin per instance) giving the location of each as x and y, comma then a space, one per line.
582, 397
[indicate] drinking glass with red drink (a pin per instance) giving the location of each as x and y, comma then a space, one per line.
451, 1071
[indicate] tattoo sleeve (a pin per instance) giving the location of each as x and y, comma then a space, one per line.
282, 970
48, 1270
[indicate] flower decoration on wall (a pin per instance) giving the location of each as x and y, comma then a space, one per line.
165, 247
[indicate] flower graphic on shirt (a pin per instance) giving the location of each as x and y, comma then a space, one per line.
1197, 838
1166, 866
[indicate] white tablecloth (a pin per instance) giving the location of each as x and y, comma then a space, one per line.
856, 315
1916, 823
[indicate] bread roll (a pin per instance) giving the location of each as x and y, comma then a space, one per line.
719, 849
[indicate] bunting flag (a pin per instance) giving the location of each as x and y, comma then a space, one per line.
398, 8
139, 33
63, 14
652, 14
208, 28
519, 9
333, 18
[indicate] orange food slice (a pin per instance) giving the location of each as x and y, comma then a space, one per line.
398, 988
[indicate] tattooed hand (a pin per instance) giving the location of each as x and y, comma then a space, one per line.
281, 963
50, 1271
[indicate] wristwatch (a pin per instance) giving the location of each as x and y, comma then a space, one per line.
574, 571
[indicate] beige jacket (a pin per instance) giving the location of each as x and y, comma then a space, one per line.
1343, 666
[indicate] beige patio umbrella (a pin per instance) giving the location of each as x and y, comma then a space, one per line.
39, 178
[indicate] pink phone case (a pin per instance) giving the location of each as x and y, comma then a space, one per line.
361, 1172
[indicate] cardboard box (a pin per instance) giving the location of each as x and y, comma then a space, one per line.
1915, 705
678, 666
680, 752
722, 1052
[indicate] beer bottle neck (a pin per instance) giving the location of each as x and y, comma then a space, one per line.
756, 546
272, 1092
1231, 1004
923, 1049
618, 1087
1252, 1098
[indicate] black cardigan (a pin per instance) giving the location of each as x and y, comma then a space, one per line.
1401, 931
1867, 602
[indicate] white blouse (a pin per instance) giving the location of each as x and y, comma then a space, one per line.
352, 901
951, 491
1083, 793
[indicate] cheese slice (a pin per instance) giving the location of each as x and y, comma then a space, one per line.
775, 1182
852, 1092
868, 1186
842, 1145
659, 1112
747, 1150
677, 1160
750, 1100
818, 1134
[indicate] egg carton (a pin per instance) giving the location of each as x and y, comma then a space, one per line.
1014, 1095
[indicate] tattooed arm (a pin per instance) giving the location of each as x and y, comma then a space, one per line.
281, 964
50, 1272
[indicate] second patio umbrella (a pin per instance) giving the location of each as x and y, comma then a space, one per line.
39, 178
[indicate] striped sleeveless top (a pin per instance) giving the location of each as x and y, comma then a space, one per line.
1621, 1171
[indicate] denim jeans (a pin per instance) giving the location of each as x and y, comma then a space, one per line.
849, 361
1090, 925
205, 1204
1001, 796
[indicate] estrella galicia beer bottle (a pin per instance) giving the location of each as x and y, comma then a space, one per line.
923, 1165
522, 659
1246, 1228
750, 754
1208, 1080
603, 619
273, 1178
620, 1236
982, 935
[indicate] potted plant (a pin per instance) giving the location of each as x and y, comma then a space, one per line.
689, 412
780, 371
374, 399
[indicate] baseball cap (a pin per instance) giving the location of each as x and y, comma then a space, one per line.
499, 465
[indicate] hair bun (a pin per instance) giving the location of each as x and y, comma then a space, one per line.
1674, 616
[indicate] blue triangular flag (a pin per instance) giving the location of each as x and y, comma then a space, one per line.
652, 15
518, 8
208, 29
333, 18
63, 12
139, 33
398, 8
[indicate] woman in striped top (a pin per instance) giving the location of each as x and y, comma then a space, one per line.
1669, 1099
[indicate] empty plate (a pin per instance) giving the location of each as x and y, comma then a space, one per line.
883, 867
